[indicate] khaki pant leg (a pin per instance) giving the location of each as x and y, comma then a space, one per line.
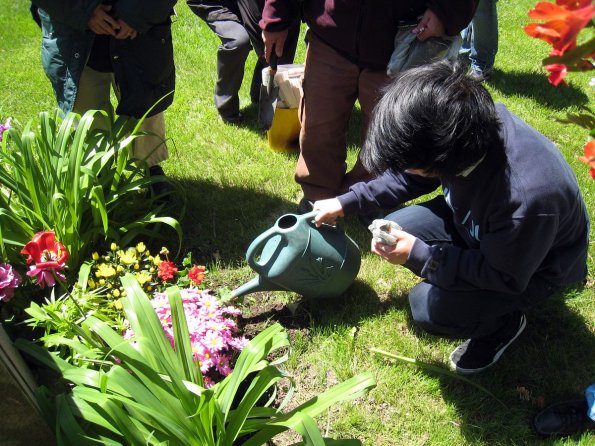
152, 147
93, 93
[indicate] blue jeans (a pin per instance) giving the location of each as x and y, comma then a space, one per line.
480, 38
463, 311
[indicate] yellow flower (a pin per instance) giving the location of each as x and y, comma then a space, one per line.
117, 304
142, 278
128, 257
113, 247
164, 251
101, 282
136, 267
91, 283
141, 247
95, 256
116, 293
104, 270
123, 293
157, 261
119, 268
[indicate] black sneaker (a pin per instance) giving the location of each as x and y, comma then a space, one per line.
563, 419
476, 355
233, 119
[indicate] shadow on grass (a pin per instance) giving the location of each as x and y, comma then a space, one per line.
220, 222
536, 86
552, 361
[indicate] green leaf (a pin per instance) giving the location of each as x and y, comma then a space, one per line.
434, 368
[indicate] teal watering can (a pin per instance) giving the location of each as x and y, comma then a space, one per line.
295, 255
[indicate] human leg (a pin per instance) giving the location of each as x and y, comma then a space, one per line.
93, 93
491, 320
151, 147
370, 83
231, 58
480, 38
330, 90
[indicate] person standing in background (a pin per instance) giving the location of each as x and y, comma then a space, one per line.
480, 39
235, 22
88, 46
349, 46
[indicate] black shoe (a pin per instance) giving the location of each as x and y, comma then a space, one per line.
233, 119
159, 188
305, 206
563, 419
476, 355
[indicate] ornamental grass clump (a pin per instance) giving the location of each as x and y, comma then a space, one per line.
64, 176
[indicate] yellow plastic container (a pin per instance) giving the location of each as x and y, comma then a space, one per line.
284, 134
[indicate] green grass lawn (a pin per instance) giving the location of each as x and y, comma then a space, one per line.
236, 187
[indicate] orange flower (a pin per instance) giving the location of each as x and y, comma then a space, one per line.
589, 157
196, 274
167, 270
564, 21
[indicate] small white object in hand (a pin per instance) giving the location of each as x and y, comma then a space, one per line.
381, 231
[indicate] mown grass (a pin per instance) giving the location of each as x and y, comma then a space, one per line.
236, 187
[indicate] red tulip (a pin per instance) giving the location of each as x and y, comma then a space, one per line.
564, 21
49, 256
589, 157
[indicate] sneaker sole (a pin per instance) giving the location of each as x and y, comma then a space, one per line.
464, 371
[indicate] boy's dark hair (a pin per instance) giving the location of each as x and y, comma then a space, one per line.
434, 118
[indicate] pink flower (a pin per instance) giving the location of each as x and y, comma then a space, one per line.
4, 127
9, 280
50, 258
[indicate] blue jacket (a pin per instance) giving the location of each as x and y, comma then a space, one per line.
520, 215
143, 67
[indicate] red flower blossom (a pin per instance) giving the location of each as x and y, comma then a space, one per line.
589, 157
49, 256
196, 274
167, 270
557, 72
564, 21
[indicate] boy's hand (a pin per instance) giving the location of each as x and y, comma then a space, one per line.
328, 211
395, 254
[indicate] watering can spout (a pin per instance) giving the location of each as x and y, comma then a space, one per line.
259, 283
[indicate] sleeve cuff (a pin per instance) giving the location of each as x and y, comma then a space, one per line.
419, 255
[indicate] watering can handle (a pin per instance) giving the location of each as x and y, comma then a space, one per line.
256, 247
335, 227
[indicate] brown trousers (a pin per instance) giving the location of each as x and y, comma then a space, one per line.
331, 86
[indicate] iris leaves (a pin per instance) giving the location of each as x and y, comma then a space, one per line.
79, 181
153, 394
